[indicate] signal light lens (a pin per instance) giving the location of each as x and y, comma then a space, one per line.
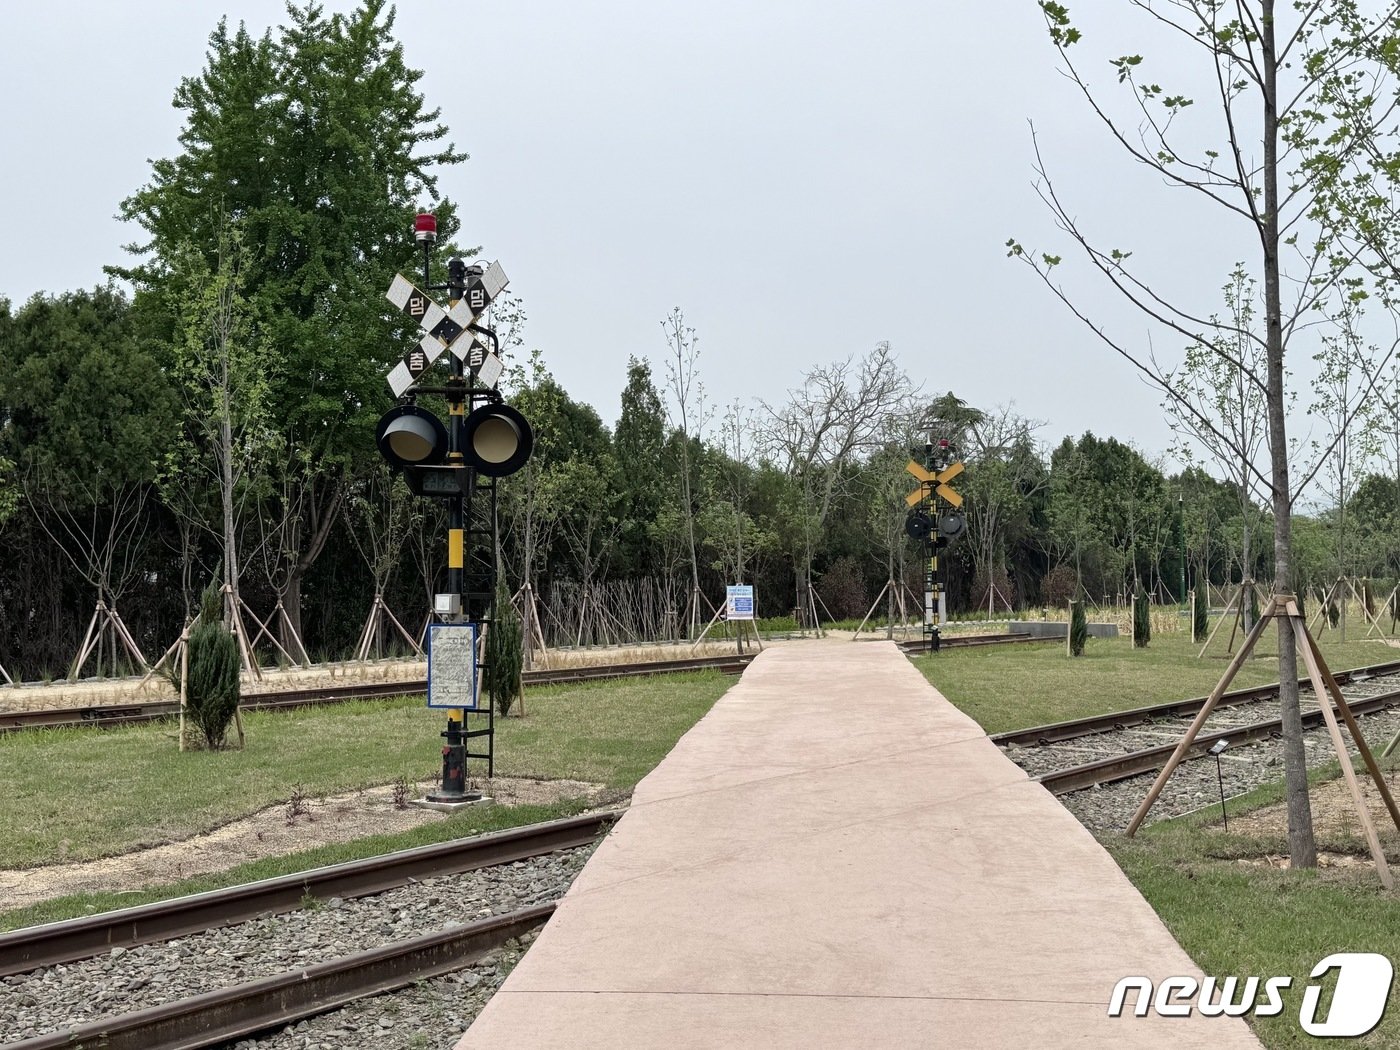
498, 440
411, 436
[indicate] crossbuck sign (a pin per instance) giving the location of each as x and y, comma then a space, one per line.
447, 329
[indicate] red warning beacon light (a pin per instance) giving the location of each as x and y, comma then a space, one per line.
425, 228
942, 442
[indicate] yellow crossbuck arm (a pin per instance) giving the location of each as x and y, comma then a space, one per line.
942, 480
938, 482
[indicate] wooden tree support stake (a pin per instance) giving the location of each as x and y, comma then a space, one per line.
233, 616
1387, 604
873, 606
105, 618
264, 632
183, 645
1326, 690
1219, 623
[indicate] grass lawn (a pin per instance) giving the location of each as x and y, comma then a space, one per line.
79, 794
1241, 918
1028, 685
1233, 918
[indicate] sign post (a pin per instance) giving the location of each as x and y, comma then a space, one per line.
738, 604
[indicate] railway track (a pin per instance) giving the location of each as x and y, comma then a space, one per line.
218, 1016
1127, 743
973, 641
107, 715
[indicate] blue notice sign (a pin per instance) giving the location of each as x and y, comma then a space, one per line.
740, 601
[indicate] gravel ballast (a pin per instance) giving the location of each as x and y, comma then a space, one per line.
1109, 807
124, 980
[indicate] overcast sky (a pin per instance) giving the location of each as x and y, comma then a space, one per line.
802, 179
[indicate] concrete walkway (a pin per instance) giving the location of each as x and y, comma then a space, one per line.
836, 857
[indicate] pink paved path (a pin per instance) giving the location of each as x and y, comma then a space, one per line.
835, 856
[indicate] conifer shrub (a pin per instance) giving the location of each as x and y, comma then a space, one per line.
1078, 628
212, 690
1142, 620
504, 652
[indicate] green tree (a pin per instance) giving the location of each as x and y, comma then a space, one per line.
727, 527
640, 440
1108, 508
316, 143
1004, 476
89, 419
224, 374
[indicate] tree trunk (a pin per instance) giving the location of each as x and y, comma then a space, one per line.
226, 484
1246, 573
320, 532
1302, 848
889, 591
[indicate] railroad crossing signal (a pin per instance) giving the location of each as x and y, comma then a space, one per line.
938, 483
449, 329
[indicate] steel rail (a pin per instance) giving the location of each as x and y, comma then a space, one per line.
227, 1014
131, 714
972, 641
1079, 727
1120, 767
38, 946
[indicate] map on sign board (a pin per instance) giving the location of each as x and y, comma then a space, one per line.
452, 677
739, 601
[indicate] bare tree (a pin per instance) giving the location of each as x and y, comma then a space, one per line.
1006, 471
1215, 379
381, 511
840, 412
1346, 363
688, 415
1265, 137
729, 529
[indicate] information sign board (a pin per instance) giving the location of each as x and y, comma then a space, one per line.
452, 671
739, 598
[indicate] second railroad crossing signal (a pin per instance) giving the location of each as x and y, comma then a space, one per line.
938, 483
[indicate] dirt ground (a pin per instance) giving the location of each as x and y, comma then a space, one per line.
1334, 814
271, 832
